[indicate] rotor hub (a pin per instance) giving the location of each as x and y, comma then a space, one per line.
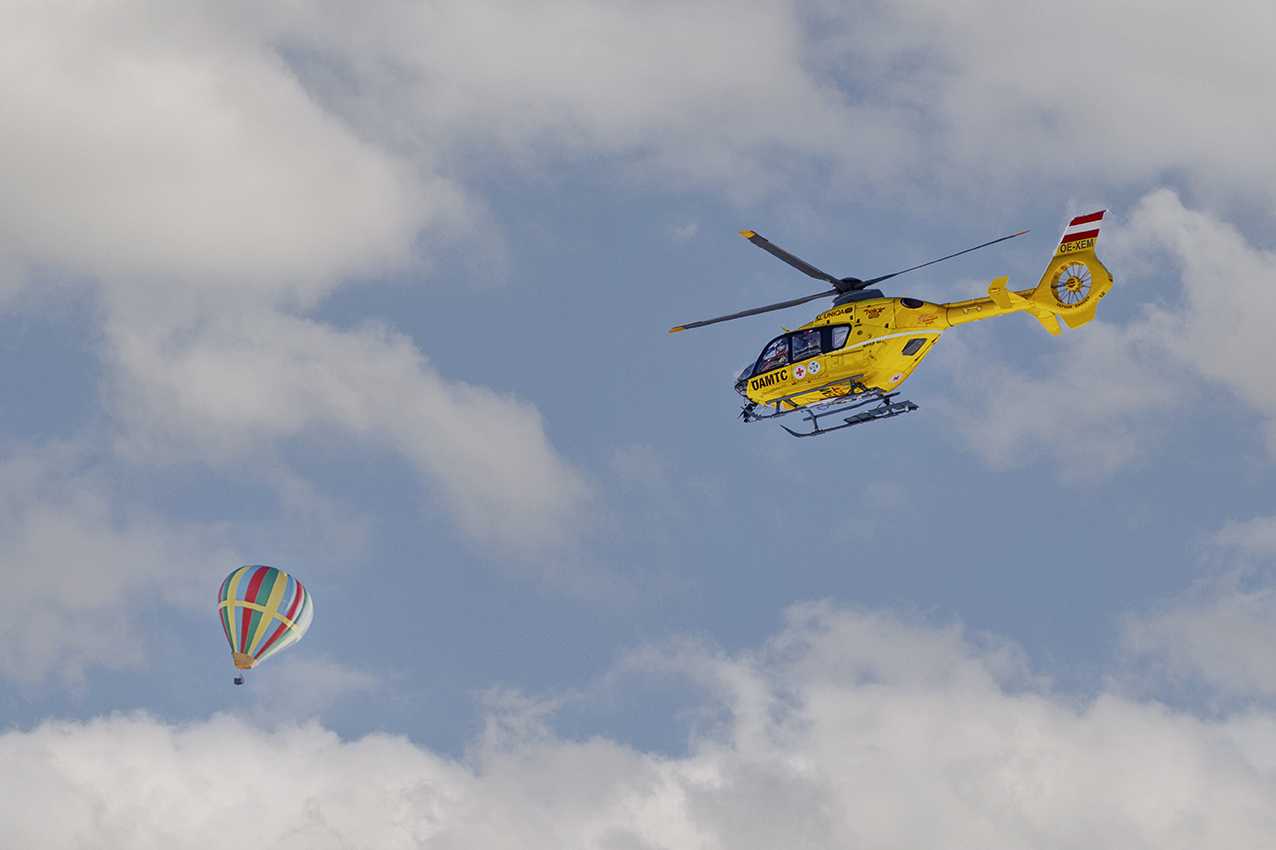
857, 295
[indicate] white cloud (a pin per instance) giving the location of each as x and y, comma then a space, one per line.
304, 686
1091, 412
847, 729
750, 97
234, 384
1093, 93
1227, 295
153, 145
709, 91
1221, 632
81, 564
1255, 536
166, 152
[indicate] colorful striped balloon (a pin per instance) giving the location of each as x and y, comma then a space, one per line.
263, 611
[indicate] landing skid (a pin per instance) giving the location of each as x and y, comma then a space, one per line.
813, 413
885, 410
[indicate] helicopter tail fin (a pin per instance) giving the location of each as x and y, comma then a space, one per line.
1075, 281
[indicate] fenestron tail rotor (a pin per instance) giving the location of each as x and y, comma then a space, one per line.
841, 286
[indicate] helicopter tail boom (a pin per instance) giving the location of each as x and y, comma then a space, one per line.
1007, 300
1071, 288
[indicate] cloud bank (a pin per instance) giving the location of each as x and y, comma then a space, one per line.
848, 728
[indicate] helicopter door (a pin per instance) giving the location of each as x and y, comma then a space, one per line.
806, 344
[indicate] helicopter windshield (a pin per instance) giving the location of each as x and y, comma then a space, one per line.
775, 355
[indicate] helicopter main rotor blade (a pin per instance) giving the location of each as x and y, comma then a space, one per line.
797, 262
840, 285
756, 310
864, 283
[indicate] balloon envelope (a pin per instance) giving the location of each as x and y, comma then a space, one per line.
263, 610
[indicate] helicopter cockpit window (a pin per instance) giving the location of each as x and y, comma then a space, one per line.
838, 337
775, 355
806, 344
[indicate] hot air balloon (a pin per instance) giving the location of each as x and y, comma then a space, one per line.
263, 610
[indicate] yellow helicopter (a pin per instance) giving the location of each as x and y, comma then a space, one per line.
851, 359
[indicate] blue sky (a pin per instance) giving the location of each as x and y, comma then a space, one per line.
379, 295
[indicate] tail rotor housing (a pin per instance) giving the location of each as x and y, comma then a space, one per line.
1075, 280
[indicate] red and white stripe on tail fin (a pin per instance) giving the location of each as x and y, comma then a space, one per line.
1080, 233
